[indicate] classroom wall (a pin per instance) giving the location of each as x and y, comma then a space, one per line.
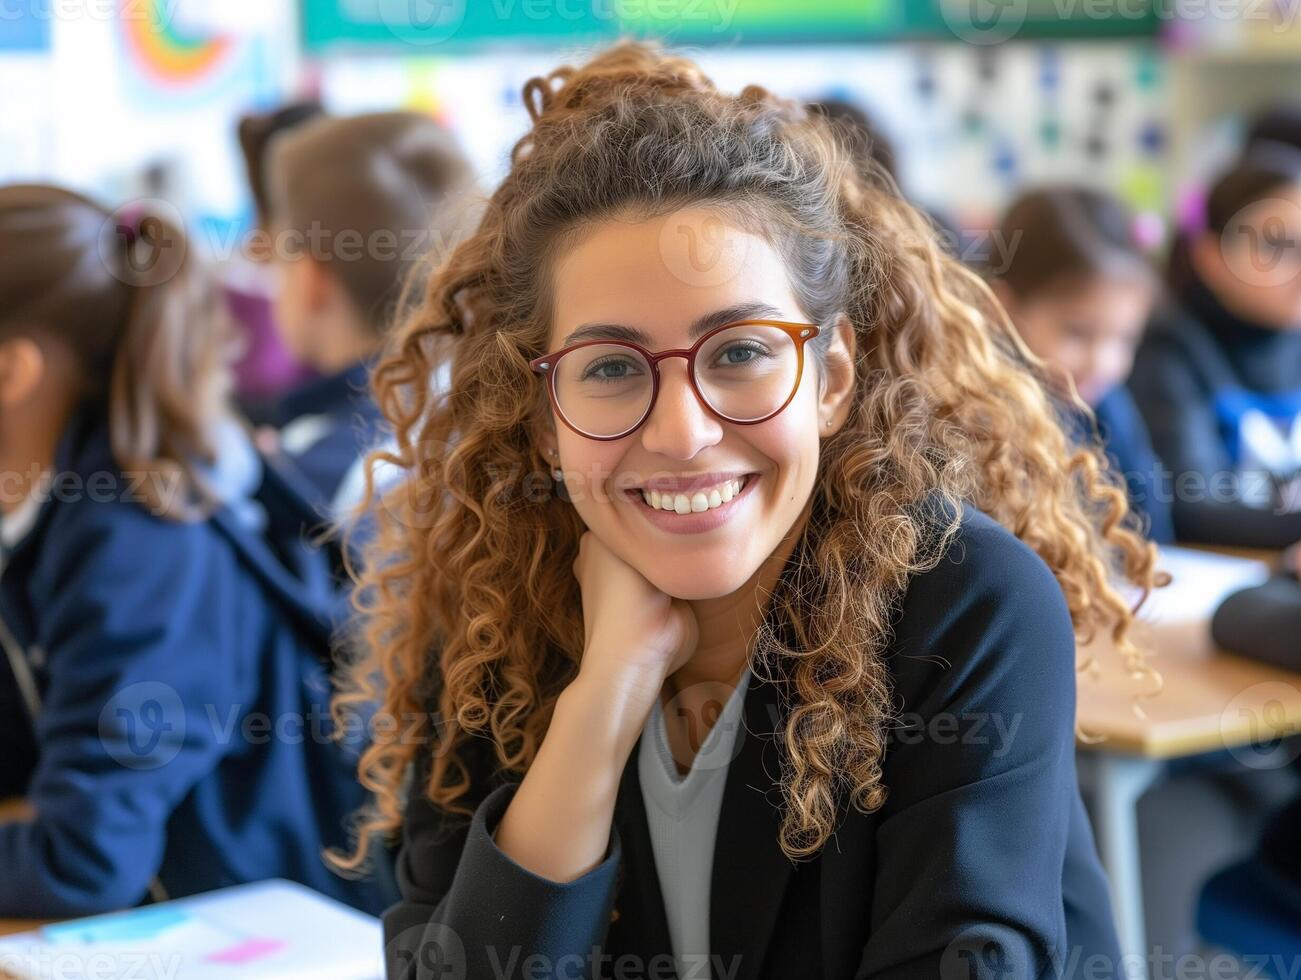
127, 98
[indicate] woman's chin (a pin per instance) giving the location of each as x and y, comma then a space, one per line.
695, 584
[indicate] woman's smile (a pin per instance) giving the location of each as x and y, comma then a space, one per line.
693, 505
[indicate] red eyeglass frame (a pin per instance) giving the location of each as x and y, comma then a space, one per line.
800, 333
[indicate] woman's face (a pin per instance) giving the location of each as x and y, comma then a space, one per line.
658, 277
1087, 333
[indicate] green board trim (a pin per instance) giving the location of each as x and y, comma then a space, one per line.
439, 26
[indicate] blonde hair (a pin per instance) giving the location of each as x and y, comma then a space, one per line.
469, 606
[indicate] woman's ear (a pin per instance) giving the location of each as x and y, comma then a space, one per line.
838, 376
22, 369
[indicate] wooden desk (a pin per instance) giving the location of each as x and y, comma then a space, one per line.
1210, 701
10, 926
15, 808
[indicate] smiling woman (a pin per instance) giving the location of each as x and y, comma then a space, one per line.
808, 484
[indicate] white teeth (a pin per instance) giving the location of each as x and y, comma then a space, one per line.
694, 503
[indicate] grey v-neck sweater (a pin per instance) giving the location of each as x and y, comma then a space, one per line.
682, 817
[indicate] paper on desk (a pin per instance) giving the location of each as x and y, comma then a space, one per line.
270, 929
1200, 581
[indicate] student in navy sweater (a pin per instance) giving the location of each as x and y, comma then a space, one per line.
1079, 290
1218, 376
707, 572
165, 625
359, 208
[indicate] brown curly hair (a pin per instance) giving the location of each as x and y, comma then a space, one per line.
469, 605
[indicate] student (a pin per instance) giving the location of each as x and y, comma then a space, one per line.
356, 207
264, 370
165, 627
1079, 290
793, 574
1218, 375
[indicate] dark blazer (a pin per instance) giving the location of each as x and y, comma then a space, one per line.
980, 863
161, 653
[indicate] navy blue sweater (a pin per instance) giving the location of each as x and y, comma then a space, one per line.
182, 680
327, 426
980, 860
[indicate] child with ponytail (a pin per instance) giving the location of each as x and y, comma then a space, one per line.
165, 626
743, 529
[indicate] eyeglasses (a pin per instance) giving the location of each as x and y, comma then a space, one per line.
743, 372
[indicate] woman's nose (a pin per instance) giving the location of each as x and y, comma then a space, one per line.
679, 426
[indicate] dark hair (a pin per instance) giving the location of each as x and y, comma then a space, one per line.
1067, 235
399, 175
256, 131
1262, 171
1279, 123
861, 133
121, 293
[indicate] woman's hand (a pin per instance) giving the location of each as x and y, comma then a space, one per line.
558, 824
632, 630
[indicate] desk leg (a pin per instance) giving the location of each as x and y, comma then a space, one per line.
1115, 783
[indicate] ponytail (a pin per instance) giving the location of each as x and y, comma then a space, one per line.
144, 322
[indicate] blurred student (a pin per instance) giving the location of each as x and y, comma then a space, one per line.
1218, 376
358, 207
264, 369
1079, 290
165, 627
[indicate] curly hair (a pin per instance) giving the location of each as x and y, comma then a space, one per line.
469, 609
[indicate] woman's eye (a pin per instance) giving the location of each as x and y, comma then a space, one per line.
610, 370
740, 354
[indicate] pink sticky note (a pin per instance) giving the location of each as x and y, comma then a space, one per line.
245, 952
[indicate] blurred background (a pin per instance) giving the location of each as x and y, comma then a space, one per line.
978, 100
124, 98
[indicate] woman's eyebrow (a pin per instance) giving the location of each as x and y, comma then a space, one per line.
704, 324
